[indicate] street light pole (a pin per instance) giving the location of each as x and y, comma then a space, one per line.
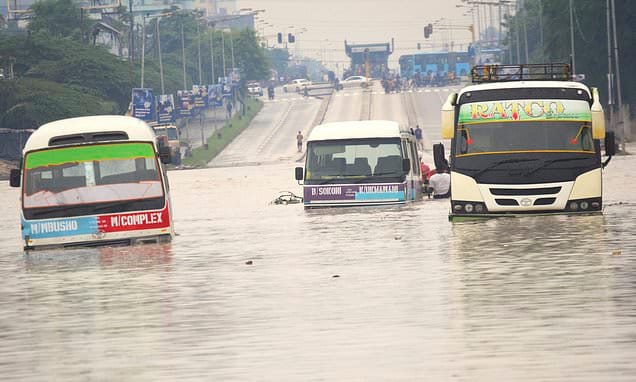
619, 96
212, 55
610, 75
143, 48
163, 90
525, 30
223, 52
199, 51
185, 81
131, 53
572, 54
232, 50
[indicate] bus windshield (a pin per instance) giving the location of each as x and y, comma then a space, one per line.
545, 136
81, 175
354, 161
170, 132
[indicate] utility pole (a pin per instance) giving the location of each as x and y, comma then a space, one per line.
223, 52
610, 75
232, 50
525, 30
212, 55
163, 90
619, 96
500, 24
517, 35
541, 30
199, 51
143, 48
185, 81
131, 53
572, 54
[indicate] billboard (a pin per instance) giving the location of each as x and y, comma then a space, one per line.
200, 95
215, 95
143, 104
165, 109
185, 103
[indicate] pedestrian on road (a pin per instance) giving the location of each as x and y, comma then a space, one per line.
418, 137
229, 110
299, 141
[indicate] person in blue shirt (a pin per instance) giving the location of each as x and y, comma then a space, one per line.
418, 137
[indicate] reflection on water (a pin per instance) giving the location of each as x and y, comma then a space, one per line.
415, 297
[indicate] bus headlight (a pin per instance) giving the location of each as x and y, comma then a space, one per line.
461, 207
584, 205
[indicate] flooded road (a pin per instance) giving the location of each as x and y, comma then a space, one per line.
358, 294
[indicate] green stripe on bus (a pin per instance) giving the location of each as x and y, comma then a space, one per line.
53, 157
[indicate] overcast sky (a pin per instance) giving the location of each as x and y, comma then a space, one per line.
330, 22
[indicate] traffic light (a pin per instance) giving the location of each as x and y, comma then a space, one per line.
428, 30
280, 38
419, 46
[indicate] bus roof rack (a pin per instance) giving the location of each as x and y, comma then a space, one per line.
521, 72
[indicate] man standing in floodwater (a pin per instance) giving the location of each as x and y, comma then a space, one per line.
440, 183
299, 141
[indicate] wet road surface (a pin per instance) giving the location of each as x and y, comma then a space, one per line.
357, 294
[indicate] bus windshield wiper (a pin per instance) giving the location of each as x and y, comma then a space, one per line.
493, 165
549, 162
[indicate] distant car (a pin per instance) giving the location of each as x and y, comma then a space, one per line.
296, 85
254, 89
355, 81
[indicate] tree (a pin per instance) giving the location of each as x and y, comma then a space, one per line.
56, 18
590, 39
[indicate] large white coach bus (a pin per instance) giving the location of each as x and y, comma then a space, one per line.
360, 163
525, 139
93, 181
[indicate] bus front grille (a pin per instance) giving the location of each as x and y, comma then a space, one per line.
525, 191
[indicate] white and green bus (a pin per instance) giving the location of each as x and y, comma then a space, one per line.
93, 181
524, 140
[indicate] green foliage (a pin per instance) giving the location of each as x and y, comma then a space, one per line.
249, 57
71, 63
279, 59
28, 103
56, 18
61, 76
590, 39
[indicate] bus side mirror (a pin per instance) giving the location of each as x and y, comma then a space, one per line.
14, 178
299, 174
406, 165
438, 155
598, 116
448, 117
610, 144
165, 155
